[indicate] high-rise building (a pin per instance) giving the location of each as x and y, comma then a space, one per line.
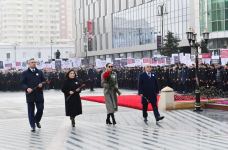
66, 20
34, 21
130, 28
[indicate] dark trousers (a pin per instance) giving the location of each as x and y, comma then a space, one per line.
35, 118
155, 109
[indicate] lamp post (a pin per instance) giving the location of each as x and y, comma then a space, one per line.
85, 44
51, 48
161, 12
15, 52
179, 56
191, 36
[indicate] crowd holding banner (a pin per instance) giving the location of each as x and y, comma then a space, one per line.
159, 60
180, 77
177, 72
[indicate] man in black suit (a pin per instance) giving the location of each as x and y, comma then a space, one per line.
31, 81
92, 74
148, 90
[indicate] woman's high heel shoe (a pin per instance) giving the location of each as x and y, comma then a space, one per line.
113, 119
108, 121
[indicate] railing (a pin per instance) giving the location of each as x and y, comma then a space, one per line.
212, 92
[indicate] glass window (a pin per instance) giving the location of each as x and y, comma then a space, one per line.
226, 3
213, 5
140, 24
226, 13
220, 25
214, 16
210, 26
214, 26
220, 4
226, 25
220, 14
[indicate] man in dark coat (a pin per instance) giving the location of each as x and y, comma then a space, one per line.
92, 74
183, 79
32, 82
148, 90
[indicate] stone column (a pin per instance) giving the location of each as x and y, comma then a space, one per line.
166, 101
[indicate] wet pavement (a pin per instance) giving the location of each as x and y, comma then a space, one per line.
181, 129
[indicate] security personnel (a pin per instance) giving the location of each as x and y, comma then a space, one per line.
148, 90
92, 74
31, 81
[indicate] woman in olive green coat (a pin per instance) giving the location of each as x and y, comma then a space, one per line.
109, 83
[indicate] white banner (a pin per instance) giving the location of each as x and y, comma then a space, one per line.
224, 61
66, 64
206, 60
138, 62
100, 63
77, 62
108, 60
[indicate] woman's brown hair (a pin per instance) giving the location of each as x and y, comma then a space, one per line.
67, 74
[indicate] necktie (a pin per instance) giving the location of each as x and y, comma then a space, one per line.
149, 74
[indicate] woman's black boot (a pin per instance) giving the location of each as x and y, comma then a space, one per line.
113, 119
108, 119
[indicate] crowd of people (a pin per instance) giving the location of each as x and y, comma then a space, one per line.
180, 77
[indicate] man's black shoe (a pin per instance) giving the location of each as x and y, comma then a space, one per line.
145, 119
38, 125
160, 118
33, 130
72, 122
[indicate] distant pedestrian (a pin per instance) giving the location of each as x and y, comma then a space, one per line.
92, 75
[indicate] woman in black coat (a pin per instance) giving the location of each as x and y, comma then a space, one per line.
71, 89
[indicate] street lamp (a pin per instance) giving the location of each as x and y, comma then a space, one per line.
85, 44
191, 36
15, 52
179, 56
51, 48
161, 12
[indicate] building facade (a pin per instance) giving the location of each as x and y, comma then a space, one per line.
214, 16
130, 28
35, 21
15, 53
66, 20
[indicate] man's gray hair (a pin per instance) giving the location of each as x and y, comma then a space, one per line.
30, 60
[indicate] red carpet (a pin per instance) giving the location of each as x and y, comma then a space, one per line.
131, 101
134, 101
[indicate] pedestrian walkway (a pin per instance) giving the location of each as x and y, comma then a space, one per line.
181, 129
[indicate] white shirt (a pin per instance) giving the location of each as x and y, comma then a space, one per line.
32, 69
149, 74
